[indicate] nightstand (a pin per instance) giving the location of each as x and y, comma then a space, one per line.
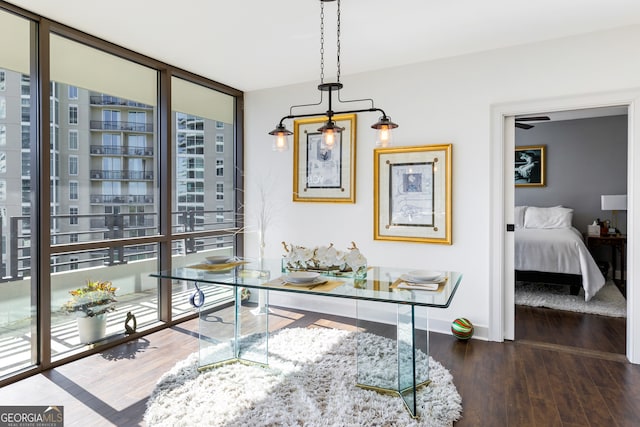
618, 243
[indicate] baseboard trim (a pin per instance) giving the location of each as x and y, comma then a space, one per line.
368, 310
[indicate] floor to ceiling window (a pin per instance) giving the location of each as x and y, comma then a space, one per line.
202, 120
18, 323
126, 184
105, 102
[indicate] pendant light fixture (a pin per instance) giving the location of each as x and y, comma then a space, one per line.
330, 130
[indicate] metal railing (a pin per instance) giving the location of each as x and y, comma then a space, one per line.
120, 174
114, 100
120, 126
194, 234
121, 198
121, 150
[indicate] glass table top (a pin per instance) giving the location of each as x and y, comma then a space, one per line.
382, 284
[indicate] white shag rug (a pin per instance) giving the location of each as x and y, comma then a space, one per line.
310, 381
607, 302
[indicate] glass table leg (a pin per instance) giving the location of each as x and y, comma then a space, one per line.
373, 364
406, 357
216, 332
409, 357
220, 334
413, 356
248, 349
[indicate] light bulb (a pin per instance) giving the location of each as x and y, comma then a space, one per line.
384, 137
280, 141
280, 138
329, 138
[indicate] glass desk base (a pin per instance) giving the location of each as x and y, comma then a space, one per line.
411, 362
222, 341
405, 366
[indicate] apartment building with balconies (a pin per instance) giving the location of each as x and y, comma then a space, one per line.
104, 172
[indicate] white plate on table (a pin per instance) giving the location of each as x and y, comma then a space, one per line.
423, 276
301, 277
217, 259
316, 281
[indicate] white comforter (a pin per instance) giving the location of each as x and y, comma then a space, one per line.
557, 250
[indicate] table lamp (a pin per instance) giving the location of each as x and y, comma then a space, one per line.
614, 203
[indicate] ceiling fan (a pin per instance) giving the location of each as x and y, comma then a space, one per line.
529, 119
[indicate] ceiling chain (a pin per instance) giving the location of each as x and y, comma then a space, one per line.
338, 43
383, 125
321, 42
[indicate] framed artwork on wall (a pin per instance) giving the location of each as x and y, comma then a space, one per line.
322, 173
412, 194
530, 166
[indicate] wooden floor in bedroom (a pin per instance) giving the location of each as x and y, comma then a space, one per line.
520, 383
587, 332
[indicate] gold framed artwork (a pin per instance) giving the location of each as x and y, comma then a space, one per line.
530, 166
412, 194
321, 173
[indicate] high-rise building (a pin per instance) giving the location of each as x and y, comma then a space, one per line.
104, 171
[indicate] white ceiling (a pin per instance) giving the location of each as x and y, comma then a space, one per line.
257, 44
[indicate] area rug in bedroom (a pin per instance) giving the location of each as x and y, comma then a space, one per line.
310, 381
607, 302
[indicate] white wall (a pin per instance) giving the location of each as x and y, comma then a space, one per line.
444, 101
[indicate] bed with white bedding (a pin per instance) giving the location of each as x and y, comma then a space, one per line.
545, 241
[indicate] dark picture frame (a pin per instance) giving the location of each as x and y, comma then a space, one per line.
529, 166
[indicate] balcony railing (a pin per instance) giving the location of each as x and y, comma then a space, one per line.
121, 198
107, 222
106, 227
121, 150
114, 100
121, 174
137, 294
120, 126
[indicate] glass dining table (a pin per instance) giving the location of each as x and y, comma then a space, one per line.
223, 340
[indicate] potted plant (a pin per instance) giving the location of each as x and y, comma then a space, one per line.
91, 304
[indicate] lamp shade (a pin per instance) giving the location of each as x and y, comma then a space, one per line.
614, 202
280, 138
384, 126
330, 133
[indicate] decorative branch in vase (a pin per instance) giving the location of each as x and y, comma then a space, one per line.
264, 214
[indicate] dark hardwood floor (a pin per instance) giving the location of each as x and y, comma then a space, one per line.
566, 328
527, 382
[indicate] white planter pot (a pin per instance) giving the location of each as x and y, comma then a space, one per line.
92, 329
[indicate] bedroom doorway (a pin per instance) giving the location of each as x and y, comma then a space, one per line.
585, 151
570, 159
501, 267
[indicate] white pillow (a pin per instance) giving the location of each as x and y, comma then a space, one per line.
518, 216
556, 217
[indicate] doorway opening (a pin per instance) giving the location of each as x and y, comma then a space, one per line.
564, 162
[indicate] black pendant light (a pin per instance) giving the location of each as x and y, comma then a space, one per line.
330, 130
